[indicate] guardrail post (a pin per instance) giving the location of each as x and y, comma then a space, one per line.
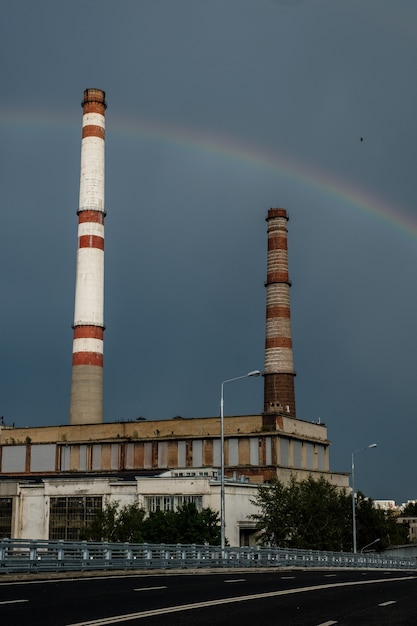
3, 549
128, 552
60, 550
147, 553
33, 554
107, 551
85, 552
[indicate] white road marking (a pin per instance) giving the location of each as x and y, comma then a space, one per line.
329, 623
330, 576
118, 619
287, 577
150, 588
235, 580
13, 601
387, 603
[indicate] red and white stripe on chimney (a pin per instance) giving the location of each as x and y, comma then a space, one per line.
279, 394
87, 354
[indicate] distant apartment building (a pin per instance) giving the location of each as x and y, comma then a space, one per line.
411, 524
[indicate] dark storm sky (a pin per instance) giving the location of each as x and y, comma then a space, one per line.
218, 110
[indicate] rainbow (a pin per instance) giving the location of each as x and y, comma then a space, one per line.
237, 151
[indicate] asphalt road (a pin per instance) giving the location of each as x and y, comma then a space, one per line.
284, 598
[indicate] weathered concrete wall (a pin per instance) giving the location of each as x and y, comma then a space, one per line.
31, 505
300, 428
258, 447
31, 513
152, 429
32, 501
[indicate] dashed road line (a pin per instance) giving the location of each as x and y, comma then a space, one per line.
235, 580
13, 601
150, 588
118, 619
387, 603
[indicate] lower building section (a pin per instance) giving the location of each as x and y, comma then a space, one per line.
60, 508
53, 479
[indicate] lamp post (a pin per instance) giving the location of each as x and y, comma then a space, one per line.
372, 445
222, 495
369, 544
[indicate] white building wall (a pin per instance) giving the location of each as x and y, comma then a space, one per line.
32, 514
238, 507
32, 501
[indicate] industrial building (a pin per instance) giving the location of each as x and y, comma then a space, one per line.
53, 479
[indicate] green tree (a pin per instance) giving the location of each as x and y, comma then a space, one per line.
116, 524
276, 517
323, 523
197, 527
132, 524
315, 515
410, 510
160, 527
103, 525
308, 514
185, 525
375, 523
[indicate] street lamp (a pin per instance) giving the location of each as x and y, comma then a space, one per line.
372, 445
222, 496
369, 544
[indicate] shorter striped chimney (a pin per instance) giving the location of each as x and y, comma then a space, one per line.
87, 354
279, 395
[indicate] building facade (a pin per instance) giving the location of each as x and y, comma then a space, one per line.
53, 478
263, 446
59, 508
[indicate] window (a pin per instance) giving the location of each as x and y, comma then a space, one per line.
233, 452
268, 451
197, 452
298, 454
197, 500
170, 503
13, 459
321, 454
182, 454
70, 515
284, 451
254, 451
42, 458
6, 505
64, 458
309, 447
162, 454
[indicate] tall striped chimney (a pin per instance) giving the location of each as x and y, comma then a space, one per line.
87, 352
279, 395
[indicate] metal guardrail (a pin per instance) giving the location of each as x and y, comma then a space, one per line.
33, 556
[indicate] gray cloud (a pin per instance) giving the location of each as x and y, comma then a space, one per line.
235, 93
